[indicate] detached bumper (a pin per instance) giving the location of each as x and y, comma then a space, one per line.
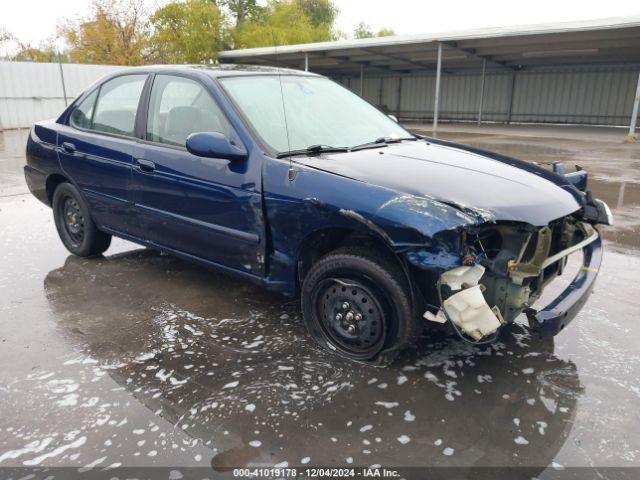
555, 316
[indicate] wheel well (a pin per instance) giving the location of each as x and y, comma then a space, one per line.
324, 241
52, 182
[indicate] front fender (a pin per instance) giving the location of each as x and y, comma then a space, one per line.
314, 200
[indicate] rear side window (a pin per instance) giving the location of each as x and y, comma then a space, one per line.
115, 110
81, 116
179, 107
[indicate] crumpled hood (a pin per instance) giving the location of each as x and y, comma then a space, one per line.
510, 190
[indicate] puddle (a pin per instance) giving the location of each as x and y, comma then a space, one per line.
143, 359
233, 367
12, 160
618, 195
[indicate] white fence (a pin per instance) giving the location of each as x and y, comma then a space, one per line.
36, 91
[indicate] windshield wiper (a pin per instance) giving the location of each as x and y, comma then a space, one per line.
317, 149
380, 142
312, 150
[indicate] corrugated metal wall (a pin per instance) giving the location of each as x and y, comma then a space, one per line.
573, 95
579, 95
33, 91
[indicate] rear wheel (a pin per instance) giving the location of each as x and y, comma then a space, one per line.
74, 224
358, 306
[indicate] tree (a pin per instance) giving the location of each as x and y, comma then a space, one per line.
320, 12
5, 36
114, 33
6, 41
322, 15
283, 23
187, 32
385, 32
27, 52
30, 53
241, 10
363, 31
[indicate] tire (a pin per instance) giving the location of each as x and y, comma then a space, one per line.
74, 224
374, 290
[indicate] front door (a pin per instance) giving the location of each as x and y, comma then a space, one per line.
207, 208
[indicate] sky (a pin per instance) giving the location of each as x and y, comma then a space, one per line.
35, 21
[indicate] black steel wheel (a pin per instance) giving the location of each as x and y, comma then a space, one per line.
358, 304
351, 315
73, 220
76, 229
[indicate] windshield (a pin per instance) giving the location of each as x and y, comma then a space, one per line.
318, 112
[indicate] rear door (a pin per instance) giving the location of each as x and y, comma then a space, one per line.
96, 150
209, 208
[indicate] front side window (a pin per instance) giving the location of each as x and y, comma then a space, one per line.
115, 111
179, 107
318, 112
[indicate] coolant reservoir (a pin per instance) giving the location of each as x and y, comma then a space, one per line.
470, 312
467, 309
460, 276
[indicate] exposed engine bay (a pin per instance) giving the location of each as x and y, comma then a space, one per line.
505, 267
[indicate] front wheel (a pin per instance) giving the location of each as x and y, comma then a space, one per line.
74, 224
359, 306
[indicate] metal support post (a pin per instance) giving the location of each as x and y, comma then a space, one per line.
436, 105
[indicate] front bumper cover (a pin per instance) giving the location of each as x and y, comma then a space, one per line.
554, 317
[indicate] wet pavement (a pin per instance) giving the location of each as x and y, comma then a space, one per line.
141, 359
613, 165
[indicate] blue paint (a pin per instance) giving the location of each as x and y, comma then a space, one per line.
236, 208
215, 145
436, 258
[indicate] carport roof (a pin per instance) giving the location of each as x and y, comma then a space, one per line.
605, 41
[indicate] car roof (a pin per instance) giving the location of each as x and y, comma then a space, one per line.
220, 70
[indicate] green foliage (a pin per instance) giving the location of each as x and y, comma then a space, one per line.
385, 32
241, 10
187, 32
29, 53
283, 23
364, 31
320, 12
120, 32
25, 52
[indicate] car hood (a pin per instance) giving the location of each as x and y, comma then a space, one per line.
507, 189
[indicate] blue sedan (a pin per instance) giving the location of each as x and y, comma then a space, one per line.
289, 180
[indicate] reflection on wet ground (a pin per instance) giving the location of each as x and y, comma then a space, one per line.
12, 148
232, 367
219, 355
139, 358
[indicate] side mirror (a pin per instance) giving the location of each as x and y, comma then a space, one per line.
215, 145
393, 117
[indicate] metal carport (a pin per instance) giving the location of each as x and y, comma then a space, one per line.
584, 72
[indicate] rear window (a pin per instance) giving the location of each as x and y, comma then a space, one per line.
115, 109
82, 115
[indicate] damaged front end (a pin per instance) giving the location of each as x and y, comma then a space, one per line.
496, 271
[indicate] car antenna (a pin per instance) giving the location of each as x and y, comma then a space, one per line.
292, 171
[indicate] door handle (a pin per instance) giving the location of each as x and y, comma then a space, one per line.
68, 147
146, 165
